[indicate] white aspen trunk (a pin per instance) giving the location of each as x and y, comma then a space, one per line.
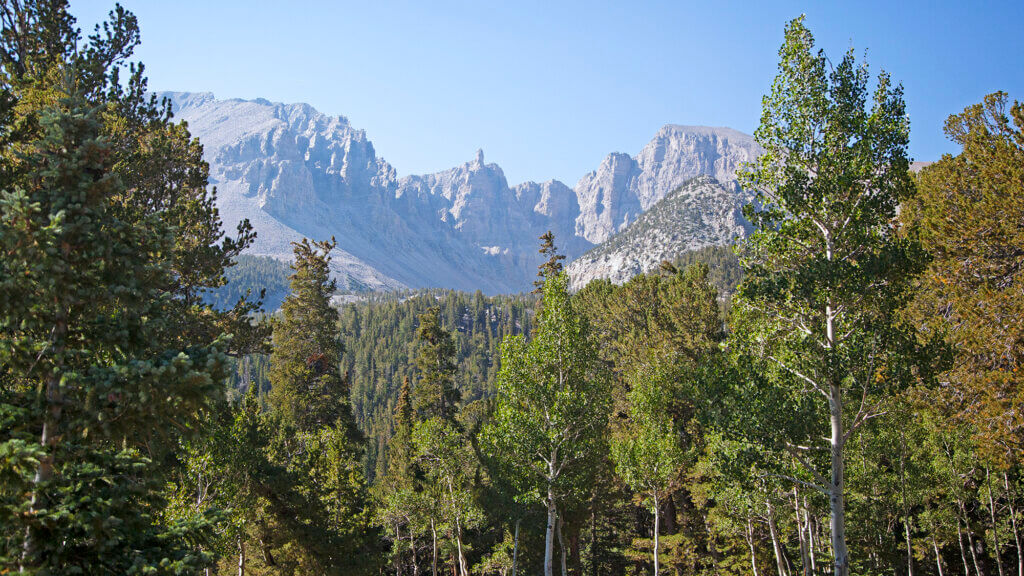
970, 544
963, 553
801, 534
433, 561
750, 543
780, 564
515, 548
837, 501
938, 556
657, 526
812, 539
910, 550
241, 557
906, 511
995, 526
463, 569
1013, 523
412, 550
549, 535
561, 546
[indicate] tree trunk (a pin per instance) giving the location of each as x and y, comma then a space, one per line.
780, 564
995, 526
963, 553
1013, 523
837, 501
241, 556
903, 499
805, 565
463, 570
515, 548
938, 556
433, 561
910, 550
812, 539
561, 546
750, 543
51, 433
412, 550
970, 542
549, 535
593, 537
657, 526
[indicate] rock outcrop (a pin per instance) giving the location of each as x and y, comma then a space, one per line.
702, 212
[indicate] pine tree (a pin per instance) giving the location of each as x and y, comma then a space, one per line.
435, 393
971, 215
551, 266
85, 366
308, 391
313, 434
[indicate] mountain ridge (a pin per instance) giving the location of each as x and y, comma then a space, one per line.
296, 172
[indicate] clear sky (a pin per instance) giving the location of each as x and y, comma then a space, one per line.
548, 88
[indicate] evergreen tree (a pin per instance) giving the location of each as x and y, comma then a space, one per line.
308, 391
82, 316
313, 437
971, 215
551, 266
435, 394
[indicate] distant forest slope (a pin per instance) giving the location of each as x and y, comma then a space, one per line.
724, 270
381, 348
253, 273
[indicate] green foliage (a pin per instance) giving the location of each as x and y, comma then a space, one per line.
826, 271
724, 269
647, 455
96, 367
551, 413
308, 391
435, 394
381, 351
969, 212
551, 266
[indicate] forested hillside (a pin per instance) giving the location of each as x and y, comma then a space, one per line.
248, 276
381, 349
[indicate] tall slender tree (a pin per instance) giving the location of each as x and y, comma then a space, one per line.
435, 393
553, 401
826, 271
648, 454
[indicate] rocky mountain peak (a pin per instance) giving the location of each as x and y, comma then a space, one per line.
295, 172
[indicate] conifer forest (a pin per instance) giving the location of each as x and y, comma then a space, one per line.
839, 393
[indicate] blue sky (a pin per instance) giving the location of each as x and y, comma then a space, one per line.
547, 89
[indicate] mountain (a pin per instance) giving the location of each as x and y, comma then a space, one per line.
624, 187
295, 172
702, 212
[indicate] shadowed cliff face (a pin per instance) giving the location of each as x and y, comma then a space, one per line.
295, 172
